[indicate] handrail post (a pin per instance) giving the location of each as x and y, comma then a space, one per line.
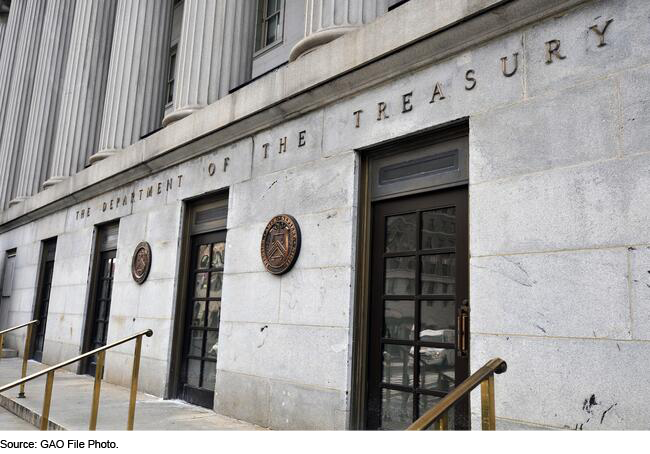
443, 422
47, 399
134, 382
21, 394
99, 373
488, 414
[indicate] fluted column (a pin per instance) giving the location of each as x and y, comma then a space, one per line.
20, 93
215, 53
84, 87
44, 108
136, 78
8, 54
326, 20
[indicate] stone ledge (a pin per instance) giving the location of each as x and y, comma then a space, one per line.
13, 405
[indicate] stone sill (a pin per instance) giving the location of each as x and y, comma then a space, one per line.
396, 43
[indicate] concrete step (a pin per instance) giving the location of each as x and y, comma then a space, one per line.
8, 353
72, 397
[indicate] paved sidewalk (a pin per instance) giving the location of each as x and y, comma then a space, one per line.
72, 397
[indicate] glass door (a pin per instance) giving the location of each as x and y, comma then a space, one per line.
199, 361
102, 306
419, 345
43, 299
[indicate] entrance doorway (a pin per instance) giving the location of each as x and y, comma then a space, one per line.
99, 309
202, 321
199, 313
43, 298
418, 350
413, 346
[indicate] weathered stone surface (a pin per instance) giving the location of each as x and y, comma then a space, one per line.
261, 350
639, 257
298, 407
244, 397
295, 191
627, 40
573, 293
572, 371
316, 296
544, 133
243, 302
603, 204
280, 148
492, 90
635, 110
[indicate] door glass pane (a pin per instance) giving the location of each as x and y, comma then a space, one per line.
209, 373
401, 233
437, 368
214, 312
400, 276
439, 228
218, 250
196, 343
396, 409
211, 344
203, 260
198, 312
201, 285
216, 280
193, 372
437, 321
398, 365
438, 274
399, 317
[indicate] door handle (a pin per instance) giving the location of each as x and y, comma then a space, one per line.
462, 329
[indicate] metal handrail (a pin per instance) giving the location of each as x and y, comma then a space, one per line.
99, 372
484, 377
30, 326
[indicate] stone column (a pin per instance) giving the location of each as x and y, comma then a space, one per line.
326, 20
137, 74
8, 54
84, 87
20, 95
44, 109
215, 53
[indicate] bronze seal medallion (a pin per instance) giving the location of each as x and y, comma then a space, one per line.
280, 244
141, 262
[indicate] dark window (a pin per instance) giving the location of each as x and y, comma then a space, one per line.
43, 298
8, 275
171, 76
269, 23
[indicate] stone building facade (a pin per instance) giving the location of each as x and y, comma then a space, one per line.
469, 178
